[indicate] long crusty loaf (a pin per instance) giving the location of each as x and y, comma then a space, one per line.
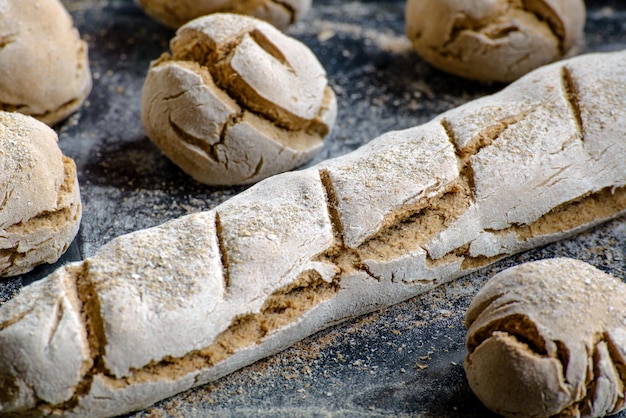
161, 310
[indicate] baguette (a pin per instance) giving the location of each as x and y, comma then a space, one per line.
161, 310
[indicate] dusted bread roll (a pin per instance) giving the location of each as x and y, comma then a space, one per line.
161, 310
44, 70
175, 13
548, 338
40, 206
494, 40
237, 101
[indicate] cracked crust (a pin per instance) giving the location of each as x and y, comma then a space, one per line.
497, 40
237, 101
175, 13
36, 35
547, 338
40, 206
168, 308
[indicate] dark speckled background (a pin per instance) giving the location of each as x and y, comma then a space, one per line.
403, 361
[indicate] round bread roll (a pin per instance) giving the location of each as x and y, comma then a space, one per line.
44, 70
175, 13
237, 101
494, 40
548, 338
40, 206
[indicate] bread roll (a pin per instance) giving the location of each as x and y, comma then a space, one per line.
237, 101
494, 40
44, 69
175, 13
159, 311
548, 338
40, 207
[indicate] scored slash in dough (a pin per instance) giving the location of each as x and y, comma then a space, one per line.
548, 338
175, 13
44, 68
40, 207
494, 40
237, 101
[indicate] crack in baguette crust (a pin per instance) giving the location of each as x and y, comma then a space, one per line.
15, 319
331, 202
90, 313
85, 300
485, 137
570, 90
346, 259
223, 252
282, 308
426, 219
605, 204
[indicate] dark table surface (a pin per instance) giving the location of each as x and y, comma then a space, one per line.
405, 360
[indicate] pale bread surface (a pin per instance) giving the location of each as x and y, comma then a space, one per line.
44, 65
237, 101
40, 207
548, 338
494, 40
